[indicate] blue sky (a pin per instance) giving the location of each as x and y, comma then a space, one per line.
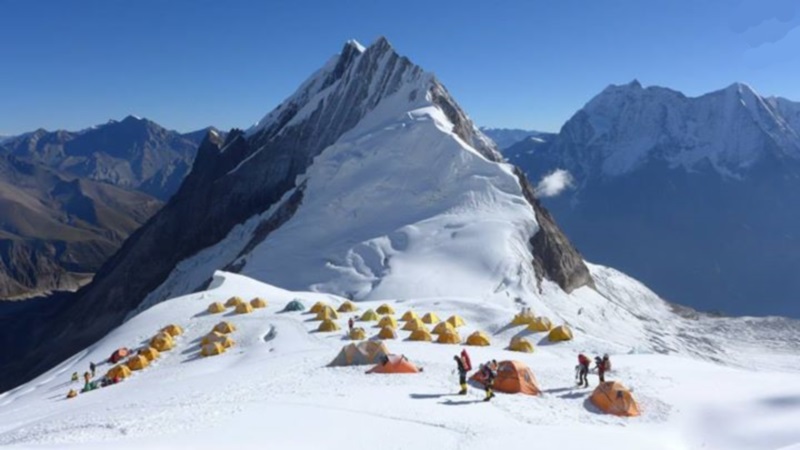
530, 64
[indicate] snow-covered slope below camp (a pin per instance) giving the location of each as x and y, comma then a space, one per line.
273, 387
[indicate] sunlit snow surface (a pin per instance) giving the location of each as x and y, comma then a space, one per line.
274, 389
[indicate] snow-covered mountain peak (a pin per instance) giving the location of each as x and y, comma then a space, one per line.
626, 127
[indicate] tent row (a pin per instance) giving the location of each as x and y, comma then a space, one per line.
238, 304
163, 341
539, 324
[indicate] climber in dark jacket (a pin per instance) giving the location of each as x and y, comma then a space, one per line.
462, 374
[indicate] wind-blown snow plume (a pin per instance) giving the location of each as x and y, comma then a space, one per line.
554, 183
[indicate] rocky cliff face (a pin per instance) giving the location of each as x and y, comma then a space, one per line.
363, 106
56, 231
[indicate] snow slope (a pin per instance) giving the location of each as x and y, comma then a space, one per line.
274, 389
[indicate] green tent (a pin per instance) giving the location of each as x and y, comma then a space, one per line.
294, 305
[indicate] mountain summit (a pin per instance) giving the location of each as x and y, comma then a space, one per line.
353, 185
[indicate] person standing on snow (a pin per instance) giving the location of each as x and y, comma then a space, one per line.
92, 367
583, 370
490, 373
351, 323
603, 366
462, 374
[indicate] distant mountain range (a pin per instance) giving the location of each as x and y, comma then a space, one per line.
69, 199
697, 197
133, 153
506, 137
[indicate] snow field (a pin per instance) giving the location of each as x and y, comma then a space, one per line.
273, 388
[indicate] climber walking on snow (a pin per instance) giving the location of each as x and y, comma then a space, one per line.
489, 371
463, 365
583, 370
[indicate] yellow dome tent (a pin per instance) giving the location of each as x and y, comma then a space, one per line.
172, 330
120, 371
478, 338
387, 321
414, 324
369, 316
328, 325
449, 337
211, 349
523, 318
218, 337
387, 333
409, 315
137, 362
456, 321
216, 308
560, 333
317, 307
357, 334
258, 303
224, 327
244, 308
162, 342
520, 344
421, 334
443, 327
385, 309
150, 353
431, 318
347, 307
327, 313
539, 324
233, 301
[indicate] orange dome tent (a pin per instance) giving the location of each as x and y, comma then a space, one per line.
613, 397
395, 364
513, 377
